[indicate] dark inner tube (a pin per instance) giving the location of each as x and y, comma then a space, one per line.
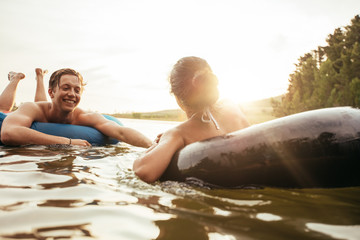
319, 148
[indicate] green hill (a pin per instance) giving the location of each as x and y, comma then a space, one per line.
259, 111
256, 111
167, 115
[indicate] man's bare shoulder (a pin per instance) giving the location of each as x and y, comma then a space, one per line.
33, 108
35, 105
87, 118
27, 113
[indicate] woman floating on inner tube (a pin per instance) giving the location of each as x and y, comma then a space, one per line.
195, 88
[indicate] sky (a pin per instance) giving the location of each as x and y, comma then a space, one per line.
125, 49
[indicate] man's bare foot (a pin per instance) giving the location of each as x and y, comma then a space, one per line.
40, 73
15, 76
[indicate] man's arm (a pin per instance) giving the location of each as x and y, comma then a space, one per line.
16, 129
114, 130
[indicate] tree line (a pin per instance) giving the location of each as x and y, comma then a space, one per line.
326, 77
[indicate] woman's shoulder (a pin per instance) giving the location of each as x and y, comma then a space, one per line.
173, 136
233, 116
228, 108
175, 132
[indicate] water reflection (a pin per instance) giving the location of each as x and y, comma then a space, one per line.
268, 217
92, 193
60, 232
336, 231
181, 228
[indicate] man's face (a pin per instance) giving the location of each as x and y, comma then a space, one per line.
67, 94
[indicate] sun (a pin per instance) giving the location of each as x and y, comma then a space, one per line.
242, 86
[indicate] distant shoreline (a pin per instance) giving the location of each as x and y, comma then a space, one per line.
256, 112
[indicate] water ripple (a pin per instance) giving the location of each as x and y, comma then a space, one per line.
92, 193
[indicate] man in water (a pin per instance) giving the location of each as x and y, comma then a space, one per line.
65, 90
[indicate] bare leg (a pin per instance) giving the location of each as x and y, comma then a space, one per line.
40, 94
7, 97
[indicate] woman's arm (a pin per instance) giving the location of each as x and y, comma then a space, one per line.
154, 162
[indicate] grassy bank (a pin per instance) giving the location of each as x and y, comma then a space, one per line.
165, 115
259, 111
256, 111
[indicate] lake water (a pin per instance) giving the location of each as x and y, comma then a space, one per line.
92, 193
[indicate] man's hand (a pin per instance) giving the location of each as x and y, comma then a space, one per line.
157, 139
80, 142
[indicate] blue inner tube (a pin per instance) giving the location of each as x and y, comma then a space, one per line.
92, 135
314, 149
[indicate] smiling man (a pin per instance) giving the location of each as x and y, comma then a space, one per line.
65, 89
